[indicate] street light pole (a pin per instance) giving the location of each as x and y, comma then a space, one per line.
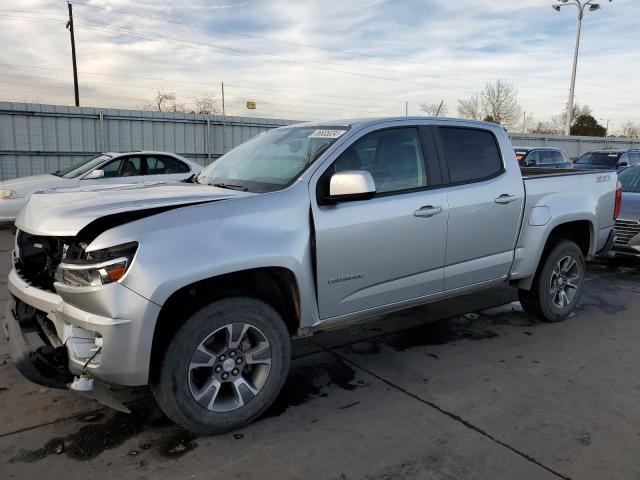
581, 5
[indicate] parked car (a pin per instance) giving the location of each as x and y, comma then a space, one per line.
542, 157
608, 159
628, 225
102, 170
197, 288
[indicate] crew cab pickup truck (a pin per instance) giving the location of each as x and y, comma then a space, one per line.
196, 289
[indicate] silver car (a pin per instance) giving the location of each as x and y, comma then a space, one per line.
104, 170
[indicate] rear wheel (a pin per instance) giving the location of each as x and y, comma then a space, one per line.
225, 366
557, 288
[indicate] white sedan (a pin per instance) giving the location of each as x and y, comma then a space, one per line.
107, 169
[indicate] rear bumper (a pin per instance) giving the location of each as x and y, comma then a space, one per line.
607, 249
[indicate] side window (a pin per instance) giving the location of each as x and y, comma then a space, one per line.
559, 157
393, 157
533, 158
634, 157
165, 165
625, 158
471, 154
130, 167
546, 157
112, 168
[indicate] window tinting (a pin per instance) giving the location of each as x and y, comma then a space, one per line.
393, 157
546, 157
471, 154
122, 167
558, 157
634, 157
165, 165
630, 179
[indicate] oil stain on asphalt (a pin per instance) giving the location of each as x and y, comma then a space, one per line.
313, 381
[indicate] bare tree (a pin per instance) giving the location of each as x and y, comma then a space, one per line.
205, 105
631, 130
554, 126
471, 108
500, 103
162, 102
434, 109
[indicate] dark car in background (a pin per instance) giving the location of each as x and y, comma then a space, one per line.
608, 159
542, 157
628, 224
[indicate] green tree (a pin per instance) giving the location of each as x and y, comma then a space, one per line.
586, 125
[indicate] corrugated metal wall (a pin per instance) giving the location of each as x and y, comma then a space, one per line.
37, 138
572, 146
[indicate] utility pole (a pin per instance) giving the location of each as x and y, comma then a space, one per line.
73, 54
524, 122
406, 109
581, 5
224, 125
440, 107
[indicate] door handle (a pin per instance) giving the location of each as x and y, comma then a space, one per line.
427, 211
506, 198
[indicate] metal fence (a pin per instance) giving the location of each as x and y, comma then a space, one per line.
36, 138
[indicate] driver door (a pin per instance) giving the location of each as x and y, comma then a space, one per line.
389, 248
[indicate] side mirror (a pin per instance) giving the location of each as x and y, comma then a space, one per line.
351, 185
623, 164
94, 174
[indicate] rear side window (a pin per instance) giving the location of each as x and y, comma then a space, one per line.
546, 157
471, 154
634, 157
164, 166
559, 157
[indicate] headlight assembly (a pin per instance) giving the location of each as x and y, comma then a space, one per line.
6, 194
97, 268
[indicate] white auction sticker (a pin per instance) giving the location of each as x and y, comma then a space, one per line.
327, 133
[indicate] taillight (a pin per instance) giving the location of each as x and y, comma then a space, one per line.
618, 204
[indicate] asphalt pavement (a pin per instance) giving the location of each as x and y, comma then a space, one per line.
470, 388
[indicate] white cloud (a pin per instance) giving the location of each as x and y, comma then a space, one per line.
320, 59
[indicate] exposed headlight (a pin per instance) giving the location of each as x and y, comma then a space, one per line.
6, 194
97, 268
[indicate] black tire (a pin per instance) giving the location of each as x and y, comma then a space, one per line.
173, 389
539, 301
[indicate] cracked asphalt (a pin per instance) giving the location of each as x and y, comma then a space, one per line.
470, 388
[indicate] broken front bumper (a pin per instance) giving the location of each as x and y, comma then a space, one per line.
90, 324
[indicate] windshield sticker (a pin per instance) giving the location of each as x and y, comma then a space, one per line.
327, 133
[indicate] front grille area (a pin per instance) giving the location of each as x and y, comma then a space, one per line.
625, 231
37, 259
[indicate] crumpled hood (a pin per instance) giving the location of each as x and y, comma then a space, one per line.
64, 214
25, 186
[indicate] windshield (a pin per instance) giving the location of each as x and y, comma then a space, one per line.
81, 168
271, 161
609, 159
630, 179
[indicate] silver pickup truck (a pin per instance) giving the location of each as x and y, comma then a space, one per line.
196, 289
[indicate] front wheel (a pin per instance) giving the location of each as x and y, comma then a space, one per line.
225, 366
557, 288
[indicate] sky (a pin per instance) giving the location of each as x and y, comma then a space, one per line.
320, 60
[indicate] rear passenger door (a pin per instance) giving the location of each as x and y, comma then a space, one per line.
485, 206
162, 168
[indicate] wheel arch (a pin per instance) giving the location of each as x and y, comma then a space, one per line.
276, 286
581, 232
